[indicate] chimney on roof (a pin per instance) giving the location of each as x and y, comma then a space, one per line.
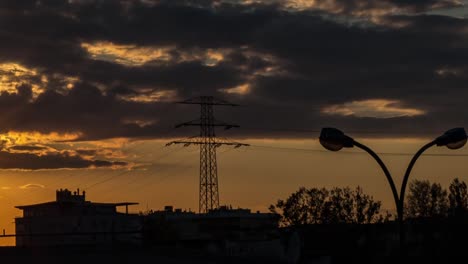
64, 195
168, 208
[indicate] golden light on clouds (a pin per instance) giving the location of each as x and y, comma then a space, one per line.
13, 75
150, 96
70, 81
14, 138
337, 7
377, 108
107, 149
133, 55
208, 57
139, 122
241, 89
16, 69
213, 57
129, 55
31, 186
368, 9
113, 143
46, 143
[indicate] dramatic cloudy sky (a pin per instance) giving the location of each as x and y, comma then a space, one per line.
87, 90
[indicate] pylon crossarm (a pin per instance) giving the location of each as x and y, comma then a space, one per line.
215, 144
208, 143
206, 101
198, 123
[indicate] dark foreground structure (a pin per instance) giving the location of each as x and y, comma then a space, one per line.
82, 254
71, 220
73, 230
431, 241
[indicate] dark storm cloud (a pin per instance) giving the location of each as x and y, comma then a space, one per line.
197, 77
28, 161
295, 62
335, 64
85, 110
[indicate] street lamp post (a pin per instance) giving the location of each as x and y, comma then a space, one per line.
454, 138
334, 140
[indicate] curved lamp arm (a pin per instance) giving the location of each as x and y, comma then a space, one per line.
384, 168
407, 173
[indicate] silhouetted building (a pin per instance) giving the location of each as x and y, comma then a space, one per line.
71, 220
225, 231
223, 223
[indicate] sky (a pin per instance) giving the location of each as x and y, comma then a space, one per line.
88, 91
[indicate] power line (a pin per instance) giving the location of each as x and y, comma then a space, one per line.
282, 149
76, 179
161, 171
358, 132
285, 149
127, 171
354, 152
176, 173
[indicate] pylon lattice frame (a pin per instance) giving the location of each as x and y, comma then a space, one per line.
209, 187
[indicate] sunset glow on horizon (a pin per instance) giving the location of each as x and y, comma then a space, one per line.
92, 91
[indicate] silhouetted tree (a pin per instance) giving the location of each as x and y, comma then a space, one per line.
322, 206
302, 206
458, 198
426, 200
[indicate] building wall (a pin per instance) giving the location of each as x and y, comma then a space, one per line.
218, 225
77, 229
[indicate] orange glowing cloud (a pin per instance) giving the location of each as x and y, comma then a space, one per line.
370, 9
213, 57
150, 96
377, 108
32, 186
13, 75
13, 138
129, 55
134, 56
37, 151
241, 89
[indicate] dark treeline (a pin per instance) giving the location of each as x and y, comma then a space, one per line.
323, 206
346, 221
353, 206
430, 200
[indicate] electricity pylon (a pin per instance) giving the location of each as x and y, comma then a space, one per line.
209, 192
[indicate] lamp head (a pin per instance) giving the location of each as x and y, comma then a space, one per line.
334, 139
454, 138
